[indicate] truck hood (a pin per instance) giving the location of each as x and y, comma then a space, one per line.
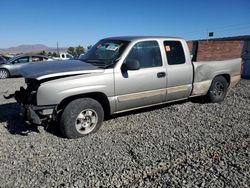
57, 69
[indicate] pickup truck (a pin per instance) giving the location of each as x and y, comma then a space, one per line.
119, 74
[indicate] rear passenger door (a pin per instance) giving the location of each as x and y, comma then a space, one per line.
179, 70
146, 86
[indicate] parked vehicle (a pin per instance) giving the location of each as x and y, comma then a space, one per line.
81, 56
117, 75
11, 67
7, 57
2, 59
63, 56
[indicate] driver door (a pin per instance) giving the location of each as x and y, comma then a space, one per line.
146, 86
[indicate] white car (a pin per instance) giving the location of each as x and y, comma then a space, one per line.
63, 56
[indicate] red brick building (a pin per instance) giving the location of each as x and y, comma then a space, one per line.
218, 49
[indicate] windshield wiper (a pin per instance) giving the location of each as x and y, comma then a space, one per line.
100, 62
112, 62
95, 62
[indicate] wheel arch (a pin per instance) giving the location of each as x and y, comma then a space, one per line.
98, 96
214, 94
226, 76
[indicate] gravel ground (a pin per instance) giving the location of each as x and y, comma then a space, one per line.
186, 144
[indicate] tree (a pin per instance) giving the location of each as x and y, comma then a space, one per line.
54, 54
49, 54
79, 50
43, 53
76, 51
71, 50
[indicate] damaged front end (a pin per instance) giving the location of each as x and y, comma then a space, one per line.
26, 98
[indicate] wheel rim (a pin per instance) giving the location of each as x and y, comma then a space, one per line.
3, 74
86, 121
218, 89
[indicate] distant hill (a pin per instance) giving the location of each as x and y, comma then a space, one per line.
30, 49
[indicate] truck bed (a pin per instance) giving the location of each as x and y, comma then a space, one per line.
205, 71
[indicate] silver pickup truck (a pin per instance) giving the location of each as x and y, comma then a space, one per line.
119, 74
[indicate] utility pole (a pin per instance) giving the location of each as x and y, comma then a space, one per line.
207, 34
57, 48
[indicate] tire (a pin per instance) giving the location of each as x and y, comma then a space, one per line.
81, 117
4, 74
218, 90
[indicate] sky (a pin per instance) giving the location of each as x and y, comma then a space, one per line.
81, 22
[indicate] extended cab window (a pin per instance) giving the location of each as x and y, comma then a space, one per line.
175, 53
147, 53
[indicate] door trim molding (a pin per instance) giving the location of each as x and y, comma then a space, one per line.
146, 94
177, 89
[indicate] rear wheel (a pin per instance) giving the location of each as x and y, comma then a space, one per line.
218, 89
4, 74
81, 117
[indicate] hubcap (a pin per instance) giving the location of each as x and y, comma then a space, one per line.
86, 121
3, 74
218, 89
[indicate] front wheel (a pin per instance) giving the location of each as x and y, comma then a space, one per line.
4, 74
81, 117
218, 89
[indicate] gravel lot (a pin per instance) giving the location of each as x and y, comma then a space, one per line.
185, 144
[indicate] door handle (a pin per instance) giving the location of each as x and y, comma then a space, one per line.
161, 74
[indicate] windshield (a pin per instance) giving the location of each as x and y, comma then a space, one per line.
2, 59
105, 53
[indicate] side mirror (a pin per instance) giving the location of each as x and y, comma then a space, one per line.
131, 64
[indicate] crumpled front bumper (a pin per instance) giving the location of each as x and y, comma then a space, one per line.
37, 114
26, 98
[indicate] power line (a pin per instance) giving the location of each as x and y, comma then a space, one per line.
217, 29
231, 29
229, 26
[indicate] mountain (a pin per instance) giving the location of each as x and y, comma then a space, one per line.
34, 48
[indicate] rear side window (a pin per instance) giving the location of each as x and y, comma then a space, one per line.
37, 58
175, 53
147, 53
22, 60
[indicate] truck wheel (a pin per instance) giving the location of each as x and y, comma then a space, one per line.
4, 74
81, 117
218, 89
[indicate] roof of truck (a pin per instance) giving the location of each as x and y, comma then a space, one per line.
132, 38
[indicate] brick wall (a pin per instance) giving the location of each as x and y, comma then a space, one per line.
190, 46
218, 50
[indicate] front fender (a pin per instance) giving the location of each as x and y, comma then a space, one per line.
50, 97
53, 92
